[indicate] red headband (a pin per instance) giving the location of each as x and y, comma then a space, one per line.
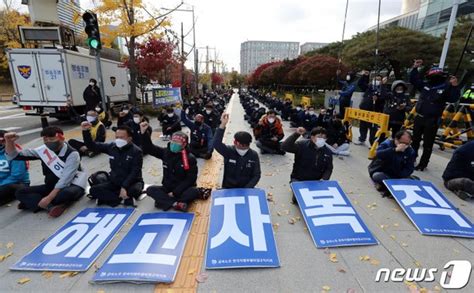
178, 138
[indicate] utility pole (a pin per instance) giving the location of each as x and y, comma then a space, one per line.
196, 62
377, 40
183, 86
207, 59
447, 40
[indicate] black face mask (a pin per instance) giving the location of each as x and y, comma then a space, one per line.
54, 146
198, 123
436, 80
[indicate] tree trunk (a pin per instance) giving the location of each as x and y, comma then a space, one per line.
133, 71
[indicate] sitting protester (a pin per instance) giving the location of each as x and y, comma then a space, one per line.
269, 133
104, 116
459, 173
395, 159
126, 161
124, 116
313, 160
297, 116
241, 163
64, 182
310, 120
211, 117
170, 122
180, 171
135, 127
337, 140
13, 174
201, 136
98, 134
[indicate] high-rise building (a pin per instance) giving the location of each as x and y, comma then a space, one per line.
256, 53
308, 47
431, 16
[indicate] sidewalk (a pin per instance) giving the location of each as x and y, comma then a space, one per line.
304, 268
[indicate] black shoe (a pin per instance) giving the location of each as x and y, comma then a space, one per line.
464, 195
204, 193
387, 194
294, 201
420, 167
21, 206
129, 202
379, 187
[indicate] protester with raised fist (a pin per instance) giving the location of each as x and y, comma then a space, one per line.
13, 174
201, 136
64, 182
313, 160
98, 134
435, 92
126, 160
180, 171
241, 163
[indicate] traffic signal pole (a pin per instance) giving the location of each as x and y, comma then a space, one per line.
100, 80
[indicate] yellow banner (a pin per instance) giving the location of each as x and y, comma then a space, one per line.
289, 96
367, 116
306, 101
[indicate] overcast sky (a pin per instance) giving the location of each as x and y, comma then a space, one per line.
225, 24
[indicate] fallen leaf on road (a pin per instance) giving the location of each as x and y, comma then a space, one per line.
23, 281
279, 213
101, 291
374, 262
417, 264
404, 244
364, 258
396, 225
341, 271
202, 277
68, 274
292, 221
10, 245
191, 271
393, 237
326, 288
395, 210
333, 257
276, 225
47, 275
383, 226
298, 218
5, 256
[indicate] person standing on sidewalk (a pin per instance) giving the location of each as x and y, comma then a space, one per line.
126, 161
92, 95
434, 94
313, 160
64, 181
241, 163
180, 172
13, 174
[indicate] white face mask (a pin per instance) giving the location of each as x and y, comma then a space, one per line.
120, 143
125, 111
298, 108
208, 111
376, 82
311, 112
399, 92
242, 152
348, 77
271, 120
91, 83
170, 115
136, 120
192, 103
91, 119
320, 142
97, 109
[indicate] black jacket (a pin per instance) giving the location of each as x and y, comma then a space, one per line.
172, 122
461, 164
392, 105
212, 119
125, 163
239, 171
311, 163
175, 178
136, 135
92, 97
433, 99
367, 102
336, 133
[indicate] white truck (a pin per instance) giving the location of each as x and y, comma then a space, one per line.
52, 80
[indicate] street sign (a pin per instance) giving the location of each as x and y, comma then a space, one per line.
244, 242
329, 215
428, 208
150, 252
166, 96
77, 244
